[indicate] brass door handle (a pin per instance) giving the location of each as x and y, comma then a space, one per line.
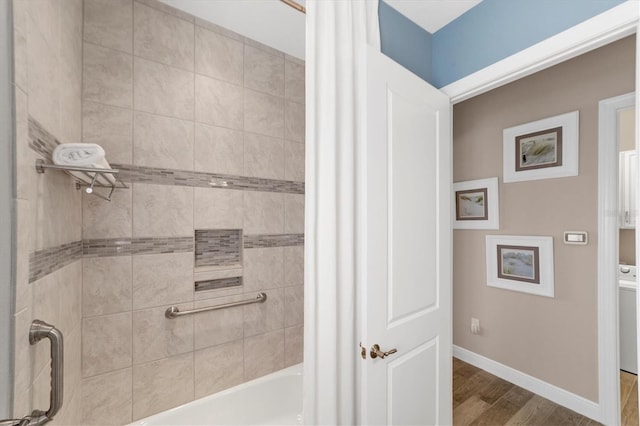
376, 352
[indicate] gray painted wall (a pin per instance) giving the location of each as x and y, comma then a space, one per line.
6, 209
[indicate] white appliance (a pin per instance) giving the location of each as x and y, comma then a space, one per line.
628, 336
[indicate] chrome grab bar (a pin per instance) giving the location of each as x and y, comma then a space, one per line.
174, 312
41, 330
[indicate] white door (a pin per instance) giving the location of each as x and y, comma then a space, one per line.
407, 245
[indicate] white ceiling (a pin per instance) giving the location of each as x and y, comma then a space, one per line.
432, 14
277, 25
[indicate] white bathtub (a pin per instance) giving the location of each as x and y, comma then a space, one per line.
275, 399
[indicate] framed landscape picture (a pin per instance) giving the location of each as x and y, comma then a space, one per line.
541, 149
476, 204
520, 263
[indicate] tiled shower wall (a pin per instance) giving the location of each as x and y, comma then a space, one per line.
208, 129
47, 83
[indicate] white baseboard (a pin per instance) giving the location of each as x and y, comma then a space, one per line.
546, 390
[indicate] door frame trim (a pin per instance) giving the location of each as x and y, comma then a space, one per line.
605, 28
608, 247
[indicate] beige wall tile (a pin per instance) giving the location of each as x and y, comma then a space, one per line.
218, 208
162, 211
43, 75
293, 345
163, 384
218, 103
219, 150
263, 47
263, 269
106, 399
293, 306
218, 56
162, 37
71, 412
294, 127
106, 285
263, 71
263, 156
46, 307
106, 343
294, 213
156, 337
101, 219
23, 154
294, 159
23, 291
218, 29
162, 89
162, 279
218, 368
217, 327
294, 82
294, 265
263, 114
162, 141
158, 5
45, 17
263, 212
109, 23
72, 379
22, 362
70, 60
58, 210
267, 316
107, 76
263, 354
110, 127
41, 388
70, 297
20, 76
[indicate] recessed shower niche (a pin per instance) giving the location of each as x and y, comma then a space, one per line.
218, 259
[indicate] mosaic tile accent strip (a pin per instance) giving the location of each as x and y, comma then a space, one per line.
279, 240
40, 140
218, 247
218, 284
44, 262
104, 247
159, 176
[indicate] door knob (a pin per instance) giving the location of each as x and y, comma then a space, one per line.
376, 352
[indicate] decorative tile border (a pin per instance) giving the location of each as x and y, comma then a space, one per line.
125, 246
41, 140
279, 240
44, 262
218, 247
160, 176
218, 284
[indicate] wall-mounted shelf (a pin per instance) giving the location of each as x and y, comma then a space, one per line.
88, 178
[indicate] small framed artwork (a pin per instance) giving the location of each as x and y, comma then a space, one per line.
542, 149
476, 204
520, 263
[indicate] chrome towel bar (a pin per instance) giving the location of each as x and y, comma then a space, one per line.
174, 312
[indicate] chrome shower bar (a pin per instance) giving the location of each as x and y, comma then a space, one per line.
41, 330
295, 5
174, 312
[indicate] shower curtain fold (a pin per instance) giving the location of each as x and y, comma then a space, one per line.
337, 34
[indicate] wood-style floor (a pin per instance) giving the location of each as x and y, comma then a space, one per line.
480, 398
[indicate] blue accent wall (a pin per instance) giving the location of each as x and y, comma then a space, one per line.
496, 29
404, 41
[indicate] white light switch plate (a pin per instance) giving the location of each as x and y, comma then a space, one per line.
576, 237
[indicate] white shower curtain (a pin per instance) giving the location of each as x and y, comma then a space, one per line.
337, 34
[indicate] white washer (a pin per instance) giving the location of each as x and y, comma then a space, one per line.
628, 336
